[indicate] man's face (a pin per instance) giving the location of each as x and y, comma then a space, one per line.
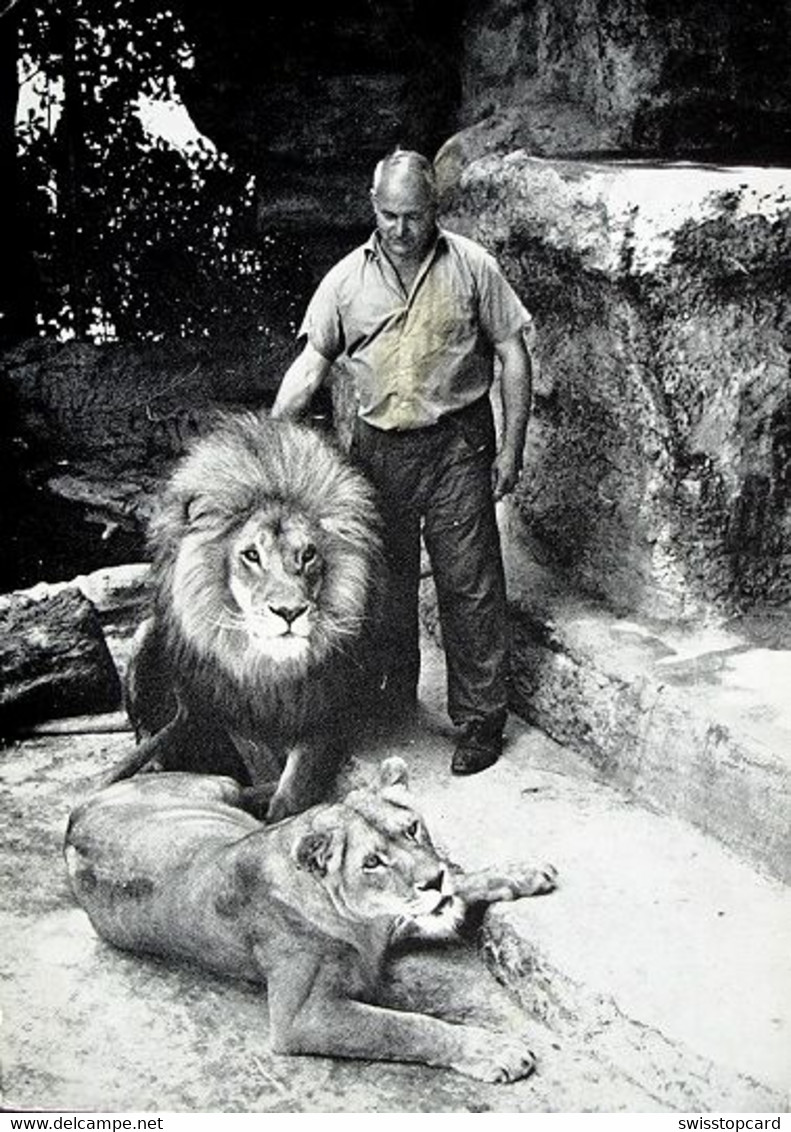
405, 216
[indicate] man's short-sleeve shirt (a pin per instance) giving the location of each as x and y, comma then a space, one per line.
419, 356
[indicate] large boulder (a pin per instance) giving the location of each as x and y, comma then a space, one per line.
659, 458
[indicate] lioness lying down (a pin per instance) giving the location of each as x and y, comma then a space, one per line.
168, 864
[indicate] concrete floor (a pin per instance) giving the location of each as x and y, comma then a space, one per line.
656, 977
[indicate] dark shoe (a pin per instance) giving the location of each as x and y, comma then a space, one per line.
479, 747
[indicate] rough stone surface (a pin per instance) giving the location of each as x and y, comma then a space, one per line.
88, 431
558, 76
117, 401
311, 102
693, 720
53, 657
658, 963
659, 458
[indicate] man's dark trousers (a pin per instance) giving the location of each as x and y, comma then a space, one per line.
442, 476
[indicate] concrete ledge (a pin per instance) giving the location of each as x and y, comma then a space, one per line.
661, 954
693, 720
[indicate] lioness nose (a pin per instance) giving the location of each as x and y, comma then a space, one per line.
289, 613
435, 883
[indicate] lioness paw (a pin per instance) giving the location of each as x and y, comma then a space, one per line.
533, 881
545, 879
508, 883
495, 1058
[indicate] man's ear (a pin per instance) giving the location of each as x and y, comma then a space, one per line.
314, 850
393, 772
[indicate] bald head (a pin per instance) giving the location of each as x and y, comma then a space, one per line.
405, 204
406, 167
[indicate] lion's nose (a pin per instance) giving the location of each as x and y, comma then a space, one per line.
433, 884
289, 613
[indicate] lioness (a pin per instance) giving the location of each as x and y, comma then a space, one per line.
168, 864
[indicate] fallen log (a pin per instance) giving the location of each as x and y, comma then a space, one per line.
54, 660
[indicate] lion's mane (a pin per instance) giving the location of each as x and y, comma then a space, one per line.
246, 463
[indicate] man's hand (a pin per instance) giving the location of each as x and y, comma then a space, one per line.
505, 472
302, 379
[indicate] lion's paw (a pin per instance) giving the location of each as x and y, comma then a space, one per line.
546, 879
492, 1057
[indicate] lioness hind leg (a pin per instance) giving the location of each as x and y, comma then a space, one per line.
487, 886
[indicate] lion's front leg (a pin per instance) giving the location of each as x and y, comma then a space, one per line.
306, 779
336, 1027
510, 882
312, 1012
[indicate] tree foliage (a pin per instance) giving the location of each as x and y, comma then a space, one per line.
132, 237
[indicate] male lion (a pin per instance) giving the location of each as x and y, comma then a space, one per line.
168, 864
266, 567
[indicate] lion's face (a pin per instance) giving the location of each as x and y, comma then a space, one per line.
375, 857
275, 568
267, 550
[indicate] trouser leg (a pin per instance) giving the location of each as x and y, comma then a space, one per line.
392, 474
401, 636
464, 546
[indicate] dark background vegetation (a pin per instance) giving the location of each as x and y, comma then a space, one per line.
138, 281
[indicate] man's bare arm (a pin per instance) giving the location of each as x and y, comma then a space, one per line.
303, 378
516, 384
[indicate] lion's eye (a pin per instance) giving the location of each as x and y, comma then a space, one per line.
413, 831
309, 554
250, 554
373, 861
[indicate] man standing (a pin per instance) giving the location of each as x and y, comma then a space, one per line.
418, 316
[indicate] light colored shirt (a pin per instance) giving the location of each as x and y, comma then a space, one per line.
415, 357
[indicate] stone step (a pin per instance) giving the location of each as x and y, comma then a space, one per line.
694, 721
661, 954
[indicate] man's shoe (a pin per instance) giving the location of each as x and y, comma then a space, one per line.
479, 747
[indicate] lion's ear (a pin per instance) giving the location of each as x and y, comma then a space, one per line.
194, 510
393, 772
314, 850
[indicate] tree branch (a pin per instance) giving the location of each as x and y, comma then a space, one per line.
9, 7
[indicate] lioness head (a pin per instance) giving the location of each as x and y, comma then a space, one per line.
267, 548
375, 858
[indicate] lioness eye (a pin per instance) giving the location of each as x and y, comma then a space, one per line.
309, 554
373, 861
413, 830
250, 554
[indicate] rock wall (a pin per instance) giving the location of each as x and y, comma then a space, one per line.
86, 431
310, 100
703, 79
659, 458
